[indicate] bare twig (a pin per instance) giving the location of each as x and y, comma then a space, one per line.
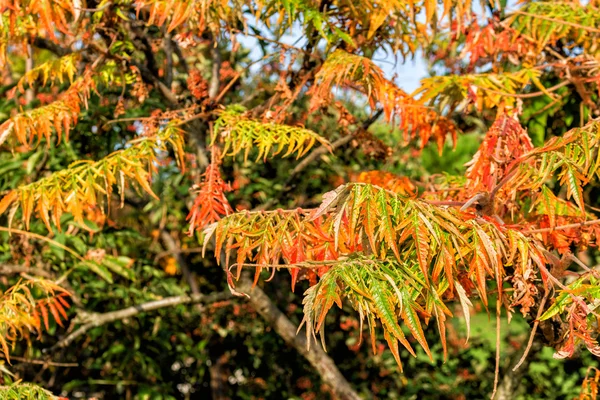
185, 269
227, 87
315, 154
96, 319
43, 362
528, 95
577, 261
45, 239
180, 55
29, 64
561, 227
533, 330
497, 370
512, 379
46, 44
12, 269
445, 203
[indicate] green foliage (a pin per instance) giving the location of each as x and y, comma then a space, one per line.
238, 133
548, 22
25, 391
409, 236
80, 187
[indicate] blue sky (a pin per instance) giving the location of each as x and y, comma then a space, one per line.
408, 74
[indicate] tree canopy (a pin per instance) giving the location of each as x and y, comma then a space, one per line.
171, 169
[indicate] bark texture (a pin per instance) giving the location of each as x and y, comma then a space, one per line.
325, 366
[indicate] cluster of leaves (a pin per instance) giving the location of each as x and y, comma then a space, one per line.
577, 304
453, 252
483, 91
396, 256
237, 133
386, 180
210, 203
589, 387
25, 305
196, 16
19, 390
490, 43
83, 186
56, 70
21, 20
547, 23
415, 119
58, 116
378, 291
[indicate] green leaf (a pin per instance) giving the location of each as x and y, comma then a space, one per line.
384, 310
119, 265
98, 269
465, 304
58, 251
386, 228
412, 321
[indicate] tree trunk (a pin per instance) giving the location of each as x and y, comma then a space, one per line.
324, 365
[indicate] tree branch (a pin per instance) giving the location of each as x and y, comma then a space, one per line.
215, 79
46, 44
185, 269
324, 365
29, 65
533, 330
315, 154
561, 227
46, 363
13, 269
168, 48
93, 320
318, 152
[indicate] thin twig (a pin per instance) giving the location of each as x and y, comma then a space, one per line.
304, 265
168, 48
226, 88
497, 370
558, 21
527, 95
445, 203
577, 261
315, 154
277, 42
533, 330
29, 65
561, 227
45, 239
11, 269
189, 276
43, 362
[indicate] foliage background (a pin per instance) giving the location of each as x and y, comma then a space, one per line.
226, 351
